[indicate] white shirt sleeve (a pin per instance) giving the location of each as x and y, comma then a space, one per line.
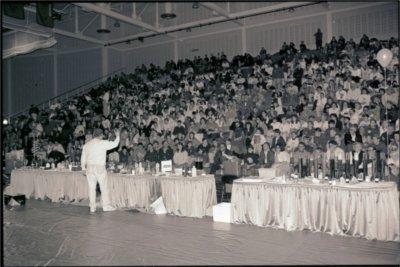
111, 144
83, 158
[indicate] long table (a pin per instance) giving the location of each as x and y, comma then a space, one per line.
183, 196
368, 210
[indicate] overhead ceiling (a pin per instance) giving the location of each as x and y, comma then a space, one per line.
127, 20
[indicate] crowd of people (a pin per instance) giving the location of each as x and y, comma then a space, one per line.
259, 111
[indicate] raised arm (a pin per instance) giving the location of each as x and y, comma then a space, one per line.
112, 144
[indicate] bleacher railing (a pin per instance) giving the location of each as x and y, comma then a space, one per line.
62, 98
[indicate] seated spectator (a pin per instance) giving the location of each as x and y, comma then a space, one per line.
251, 161
300, 156
278, 140
152, 156
267, 156
124, 156
181, 157
352, 136
166, 152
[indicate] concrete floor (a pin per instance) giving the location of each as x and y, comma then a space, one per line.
44, 233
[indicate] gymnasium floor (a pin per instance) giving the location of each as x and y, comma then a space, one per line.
44, 233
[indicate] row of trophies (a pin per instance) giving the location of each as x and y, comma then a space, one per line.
362, 167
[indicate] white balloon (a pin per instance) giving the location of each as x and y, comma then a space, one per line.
384, 57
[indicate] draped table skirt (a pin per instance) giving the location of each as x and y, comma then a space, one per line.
192, 197
365, 210
55, 185
129, 191
183, 196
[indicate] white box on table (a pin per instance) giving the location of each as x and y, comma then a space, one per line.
222, 212
267, 173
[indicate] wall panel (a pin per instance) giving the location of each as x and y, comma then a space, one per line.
377, 21
32, 81
115, 60
6, 87
157, 54
228, 42
272, 36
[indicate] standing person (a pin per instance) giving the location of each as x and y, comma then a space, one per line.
93, 160
318, 39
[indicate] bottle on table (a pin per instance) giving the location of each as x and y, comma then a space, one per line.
194, 171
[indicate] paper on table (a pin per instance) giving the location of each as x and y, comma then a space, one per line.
246, 180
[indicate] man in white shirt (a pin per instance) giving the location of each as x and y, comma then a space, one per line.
93, 160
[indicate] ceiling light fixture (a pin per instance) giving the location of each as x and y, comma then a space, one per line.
103, 25
56, 15
5, 122
103, 31
168, 14
195, 5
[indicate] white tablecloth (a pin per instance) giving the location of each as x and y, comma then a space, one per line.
366, 210
184, 196
192, 197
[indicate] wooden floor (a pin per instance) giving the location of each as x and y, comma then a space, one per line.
44, 233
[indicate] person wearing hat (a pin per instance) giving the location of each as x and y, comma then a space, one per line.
93, 161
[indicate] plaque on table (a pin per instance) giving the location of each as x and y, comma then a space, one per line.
166, 166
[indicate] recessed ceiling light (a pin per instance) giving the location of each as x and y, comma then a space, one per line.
103, 31
168, 15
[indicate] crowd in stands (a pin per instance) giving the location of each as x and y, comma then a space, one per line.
259, 111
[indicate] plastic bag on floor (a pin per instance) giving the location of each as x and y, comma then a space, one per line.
158, 206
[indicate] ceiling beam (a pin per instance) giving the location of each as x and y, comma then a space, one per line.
23, 28
78, 36
186, 25
76, 19
269, 8
134, 36
47, 32
219, 10
208, 21
115, 15
251, 12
